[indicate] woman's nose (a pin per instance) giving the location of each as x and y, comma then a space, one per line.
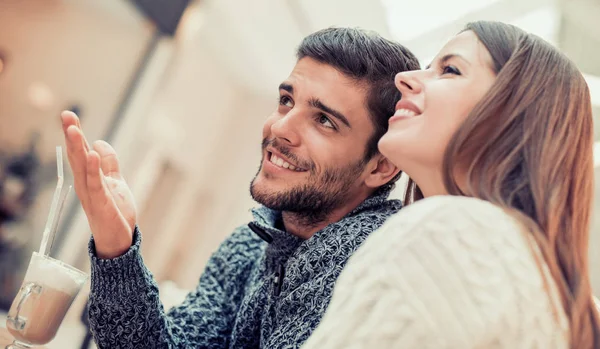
407, 82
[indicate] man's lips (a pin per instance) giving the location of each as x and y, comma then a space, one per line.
281, 161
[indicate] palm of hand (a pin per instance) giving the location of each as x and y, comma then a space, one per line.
105, 196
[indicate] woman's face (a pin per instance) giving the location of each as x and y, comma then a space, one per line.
434, 103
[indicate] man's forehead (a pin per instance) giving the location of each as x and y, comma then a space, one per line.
310, 66
313, 79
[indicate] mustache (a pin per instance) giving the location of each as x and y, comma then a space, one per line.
274, 143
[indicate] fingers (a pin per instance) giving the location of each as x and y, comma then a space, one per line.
77, 155
96, 188
89, 166
109, 162
103, 209
94, 180
70, 119
77, 149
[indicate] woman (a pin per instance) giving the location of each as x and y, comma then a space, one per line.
496, 135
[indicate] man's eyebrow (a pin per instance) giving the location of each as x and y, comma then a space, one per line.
286, 87
316, 103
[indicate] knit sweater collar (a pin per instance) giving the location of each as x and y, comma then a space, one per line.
285, 243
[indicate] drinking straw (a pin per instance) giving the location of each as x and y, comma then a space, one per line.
50, 228
61, 205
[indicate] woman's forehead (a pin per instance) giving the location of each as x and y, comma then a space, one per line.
468, 46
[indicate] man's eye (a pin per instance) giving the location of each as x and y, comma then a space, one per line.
324, 120
286, 101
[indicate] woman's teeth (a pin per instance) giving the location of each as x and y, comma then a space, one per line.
405, 112
281, 163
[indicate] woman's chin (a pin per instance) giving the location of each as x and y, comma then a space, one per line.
389, 147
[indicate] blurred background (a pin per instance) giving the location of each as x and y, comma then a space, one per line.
181, 89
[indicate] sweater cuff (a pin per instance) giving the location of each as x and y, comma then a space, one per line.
123, 276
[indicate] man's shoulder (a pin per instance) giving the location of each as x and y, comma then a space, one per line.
243, 242
389, 207
241, 250
380, 212
357, 226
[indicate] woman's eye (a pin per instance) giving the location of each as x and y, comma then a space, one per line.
286, 101
449, 69
324, 120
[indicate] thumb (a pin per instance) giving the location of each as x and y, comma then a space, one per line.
109, 162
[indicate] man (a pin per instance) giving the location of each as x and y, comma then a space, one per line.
323, 186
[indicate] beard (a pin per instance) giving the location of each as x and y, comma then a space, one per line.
313, 201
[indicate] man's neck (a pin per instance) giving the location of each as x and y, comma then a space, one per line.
303, 227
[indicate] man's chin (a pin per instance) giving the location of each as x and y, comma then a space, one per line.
260, 192
257, 189
262, 197
269, 183
267, 194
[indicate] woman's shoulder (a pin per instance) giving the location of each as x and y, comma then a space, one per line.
449, 206
455, 214
469, 237
459, 267
454, 225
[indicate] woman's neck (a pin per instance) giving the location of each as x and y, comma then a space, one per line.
431, 184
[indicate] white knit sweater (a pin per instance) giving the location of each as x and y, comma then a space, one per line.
445, 272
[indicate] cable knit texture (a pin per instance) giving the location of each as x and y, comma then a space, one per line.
445, 272
237, 303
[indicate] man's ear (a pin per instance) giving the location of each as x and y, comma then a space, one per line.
381, 171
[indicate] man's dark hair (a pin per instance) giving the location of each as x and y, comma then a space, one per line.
368, 58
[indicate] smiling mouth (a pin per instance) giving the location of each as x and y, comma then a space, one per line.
407, 113
279, 162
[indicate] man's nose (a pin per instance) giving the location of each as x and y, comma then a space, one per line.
287, 128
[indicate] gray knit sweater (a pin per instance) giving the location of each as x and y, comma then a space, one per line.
252, 294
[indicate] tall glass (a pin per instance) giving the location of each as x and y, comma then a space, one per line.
48, 290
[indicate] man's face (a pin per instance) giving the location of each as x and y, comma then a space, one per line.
314, 143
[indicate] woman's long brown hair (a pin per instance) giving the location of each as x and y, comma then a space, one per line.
527, 147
